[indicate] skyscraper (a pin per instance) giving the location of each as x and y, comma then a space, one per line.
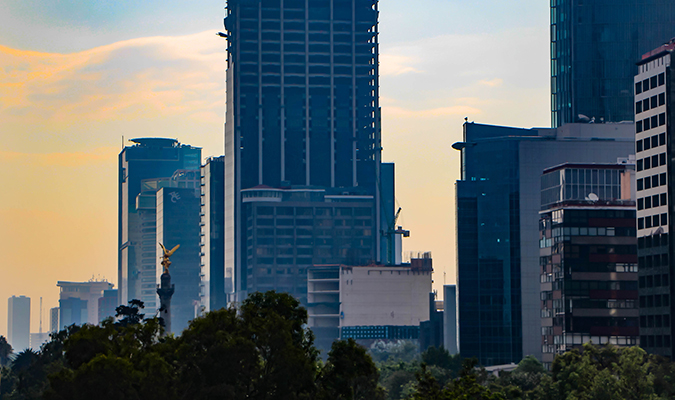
498, 203
303, 105
147, 160
654, 104
178, 224
78, 301
18, 322
594, 47
216, 282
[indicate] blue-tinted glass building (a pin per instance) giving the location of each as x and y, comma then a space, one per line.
140, 166
498, 203
178, 223
216, 282
594, 47
303, 105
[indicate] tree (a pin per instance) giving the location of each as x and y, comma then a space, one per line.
131, 314
5, 352
349, 374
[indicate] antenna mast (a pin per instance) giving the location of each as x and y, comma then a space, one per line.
40, 314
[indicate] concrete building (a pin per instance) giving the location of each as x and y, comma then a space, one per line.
78, 302
178, 223
588, 257
303, 109
432, 330
594, 47
38, 339
498, 203
18, 323
142, 169
654, 84
368, 302
450, 338
216, 282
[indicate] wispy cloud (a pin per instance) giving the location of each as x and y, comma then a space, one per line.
395, 64
146, 77
491, 83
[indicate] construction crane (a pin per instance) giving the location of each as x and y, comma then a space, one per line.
390, 234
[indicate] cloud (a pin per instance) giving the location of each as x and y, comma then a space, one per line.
491, 83
394, 65
138, 78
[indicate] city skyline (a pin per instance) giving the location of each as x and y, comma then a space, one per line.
74, 100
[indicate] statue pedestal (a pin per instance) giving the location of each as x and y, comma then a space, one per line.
165, 291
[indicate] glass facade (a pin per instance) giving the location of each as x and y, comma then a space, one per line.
178, 223
288, 231
143, 169
594, 47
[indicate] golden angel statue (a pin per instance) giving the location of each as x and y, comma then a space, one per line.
165, 257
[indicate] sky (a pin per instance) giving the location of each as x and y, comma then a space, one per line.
78, 78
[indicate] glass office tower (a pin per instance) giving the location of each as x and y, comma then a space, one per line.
594, 47
140, 166
303, 104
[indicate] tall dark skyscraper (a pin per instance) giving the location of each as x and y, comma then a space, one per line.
140, 168
594, 47
303, 105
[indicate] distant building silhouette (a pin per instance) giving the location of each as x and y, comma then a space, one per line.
78, 302
594, 48
18, 322
107, 304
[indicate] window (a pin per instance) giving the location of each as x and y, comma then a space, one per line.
641, 223
647, 163
663, 199
662, 79
638, 107
655, 161
662, 178
638, 147
662, 160
640, 164
655, 181
653, 82
662, 99
638, 126
640, 184
646, 124
664, 219
645, 85
662, 139
640, 204
662, 119
655, 141
638, 88
653, 102
655, 200
645, 104
648, 202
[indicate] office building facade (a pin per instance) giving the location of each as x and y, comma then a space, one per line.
654, 84
588, 258
178, 224
498, 204
368, 302
216, 282
18, 323
303, 105
594, 48
78, 302
140, 166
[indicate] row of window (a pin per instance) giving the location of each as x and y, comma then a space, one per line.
653, 221
650, 83
652, 201
653, 241
655, 341
649, 123
651, 182
651, 142
650, 102
654, 321
656, 300
656, 260
651, 162
653, 281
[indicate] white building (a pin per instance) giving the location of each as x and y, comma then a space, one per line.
18, 323
368, 302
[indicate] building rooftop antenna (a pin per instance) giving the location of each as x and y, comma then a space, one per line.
41, 315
